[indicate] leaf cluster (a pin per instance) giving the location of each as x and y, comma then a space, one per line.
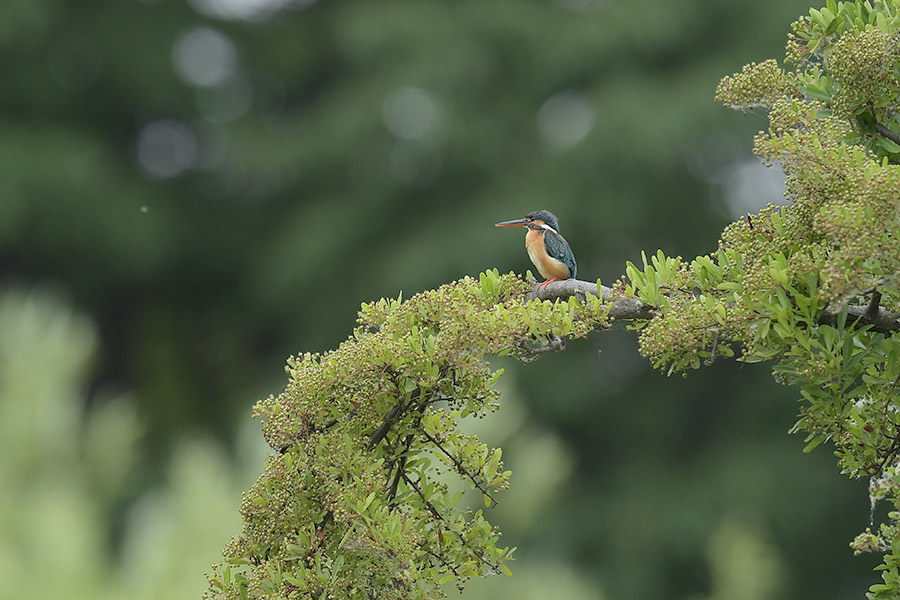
783, 282
356, 500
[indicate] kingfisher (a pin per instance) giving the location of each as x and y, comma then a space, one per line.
547, 249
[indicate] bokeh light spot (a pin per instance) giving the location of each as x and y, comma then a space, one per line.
204, 57
246, 10
565, 119
166, 148
410, 113
750, 186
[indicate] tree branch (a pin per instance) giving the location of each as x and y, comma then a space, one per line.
437, 515
400, 468
393, 415
622, 308
389, 420
881, 128
460, 468
434, 511
872, 308
880, 319
555, 343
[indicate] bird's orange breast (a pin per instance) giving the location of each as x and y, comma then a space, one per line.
547, 266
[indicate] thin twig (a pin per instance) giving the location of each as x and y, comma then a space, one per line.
434, 512
401, 468
480, 556
334, 422
459, 466
556, 344
715, 345
410, 438
444, 562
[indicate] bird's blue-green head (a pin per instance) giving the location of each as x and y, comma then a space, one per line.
546, 216
534, 220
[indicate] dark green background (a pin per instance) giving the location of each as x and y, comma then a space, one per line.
291, 201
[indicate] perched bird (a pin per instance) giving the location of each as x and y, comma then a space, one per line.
547, 249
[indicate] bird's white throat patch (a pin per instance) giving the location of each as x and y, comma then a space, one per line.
548, 228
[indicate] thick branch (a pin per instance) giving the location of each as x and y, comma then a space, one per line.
393, 415
880, 319
622, 308
881, 128
389, 420
874, 305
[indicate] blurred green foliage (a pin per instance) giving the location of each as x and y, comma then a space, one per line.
213, 219
67, 472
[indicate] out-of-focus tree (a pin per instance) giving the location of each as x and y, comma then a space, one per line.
196, 172
219, 183
67, 474
348, 506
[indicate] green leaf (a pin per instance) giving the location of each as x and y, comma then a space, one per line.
888, 145
817, 18
813, 443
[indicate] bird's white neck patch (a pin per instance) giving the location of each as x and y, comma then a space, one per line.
548, 228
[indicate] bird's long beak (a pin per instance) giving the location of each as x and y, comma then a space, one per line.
513, 223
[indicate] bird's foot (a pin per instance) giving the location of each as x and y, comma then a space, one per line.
544, 284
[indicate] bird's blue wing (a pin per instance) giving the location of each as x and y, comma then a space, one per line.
558, 248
